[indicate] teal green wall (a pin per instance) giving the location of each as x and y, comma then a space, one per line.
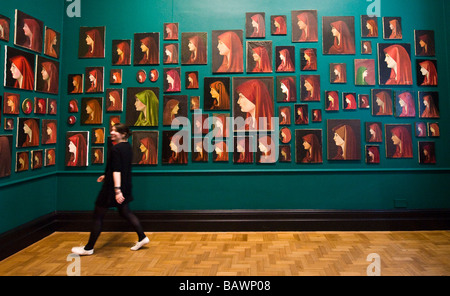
331, 185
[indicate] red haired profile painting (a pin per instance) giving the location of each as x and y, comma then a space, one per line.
146, 49
308, 59
429, 105
278, 25
395, 64
4, 28
344, 139
255, 25
91, 42
47, 80
259, 56
171, 31
427, 73
19, 69
427, 153
304, 26
194, 48
52, 43
382, 102
310, 88
372, 154
308, 144
287, 89
398, 141
285, 58
339, 35
77, 149
228, 53
392, 28
29, 32
331, 100
243, 149
405, 106
121, 52
28, 132
373, 132
94, 79
145, 147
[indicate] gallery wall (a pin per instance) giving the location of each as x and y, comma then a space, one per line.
211, 185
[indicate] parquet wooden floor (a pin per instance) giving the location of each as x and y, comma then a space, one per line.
239, 253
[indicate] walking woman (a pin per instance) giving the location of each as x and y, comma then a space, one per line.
116, 190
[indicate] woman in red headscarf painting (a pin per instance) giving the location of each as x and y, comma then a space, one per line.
230, 47
31, 130
197, 49
266, 148
384, 102
124, 53
396, 29
429, 72
313, 147
115, 101
33, 31
171, 31
149, 152
95, 77
95, 44
171, 51
50, 78
373, 154
346, 142
178, 155
51, 133
286, 63
431, 109
262, 60
243, 152
11, 103
312, 88
77, 151
150, 52
256, 102
427, 153
398, 60
406, 102
374, 134
22, 72
288, 87
401, 139
259, 26
94, 112
310, 58
344, 41
173, 81
220, 95
51, 41
332, 101
307, 23
279, 23
350, 102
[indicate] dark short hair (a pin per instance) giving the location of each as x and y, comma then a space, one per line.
122, 129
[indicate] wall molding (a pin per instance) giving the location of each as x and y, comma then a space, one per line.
230, 220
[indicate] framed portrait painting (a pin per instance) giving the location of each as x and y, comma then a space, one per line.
28, 32
11, 103
47, 75
50, 157
49, 131
94, 79
216, 94
364, 72
145, 147
304, 26
199, 151
382, 102
286, 89
285, 58
146, 49
75, 83
77, 147
394, 64
259, 56
426, 72
37, 159
369, 26
243, 149
142, 106
175, 147
171, 54
404, 104
172, 80
398, 141
194, 49
392, 28
19, 69
5, 28
227, 51
424, 43
91, 42
338, 34
427, 152
22, 161
28, 132
91, 111
174, 106
52, 45
372, 154
429, 104
278, 25
121, 52
344, 139
171, 31
310, 88
308, 59
114, 100
255, 25
308, 146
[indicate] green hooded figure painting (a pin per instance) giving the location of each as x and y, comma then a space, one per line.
147, 104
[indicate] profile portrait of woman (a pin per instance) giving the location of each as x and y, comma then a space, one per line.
23, 161
114, 101
230, 47
50, 158
171, 31
332, 101
220, 96
76, 150
221, 151
338, 72
31, 131
310, 88
170, 112
427, 153
22, 73
255, 101
429, 106
346, 142
263, 63
301, 114
313, 147
424, 42
77, 84
95, 44
149, 53
288, 89
4, 28
50, 132
5, 156
372, 154
33, 32
279, 25
398, 60
421, 129
99, 135
383, 101
115, 76
433, 129
199, 154
171, 52
149, 151
395, 29
306, 23
361, 76
344, 41
95, 79
192, 80
406, 103
197, 50
243, 152
177, 153
366, 47
400, 144
258, 24
97, 155
374, 134
173, 81
147, 104
372, 28
11, 103
49, 80
123, 53
286, 62
429, 73
284, 115
93, 111
37, 161
349, 101
51, 47
309, 59
266, 149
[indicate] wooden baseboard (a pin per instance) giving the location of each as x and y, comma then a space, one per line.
230, 220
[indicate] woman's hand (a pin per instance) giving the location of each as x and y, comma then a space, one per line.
101, 178
119, 197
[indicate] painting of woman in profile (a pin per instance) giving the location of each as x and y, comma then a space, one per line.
146, 49
287, 89
91, 110
121, 52
75, 83
279, 26
243, 150
429, 105
175, 147
11, 103
145, 147
47, 80
5, 155
94, 79
372, 154
22, 161
382, 102
194, 50
114, 100
394, 64
29, 31
304, 26
259, 57
76, 149
91, 42
308, 144
171, 53
398, 141
220, 152
285, 58
49, 131
339, 35
172, 83
266, 150
424, 42
392, 28
216, 93
28, 132
331, 100
142, 105
255, 25
404, 106
308, 59
19, 69
254, 102
428, 73
369, 26
52, 43
427, 153
228, 53
344, 139
4, 28
365, 72
171, 31
174, 106
199, 153
310, 88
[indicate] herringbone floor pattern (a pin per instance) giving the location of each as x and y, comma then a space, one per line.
240, 253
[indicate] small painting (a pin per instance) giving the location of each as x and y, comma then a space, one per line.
243, 149
286, 89
382, 102
52, 43
22, 161
427, 153
121, 52
364, 72
94, 79
171, 54
146, 49
310, 88
285, 58
394, 64
191, 79
284, 115
227, 51
115, 76
398, 141
49, 131
344, 139
372, 154
11, 103
5, 28
91, 42
267, 151
97, 155
255, 25
216, 94
50, 157
91, 111
29, 32
172, 80
28, 132
175, 147
424, 43
374, 132
145, 147
114, 100
308, 59
331, 100
308, 146
199, 151
338, 34
304, 26
404, 104
426, 72
259, 56
47, 75
301, 114
174, 106
77, 147
170, 31
429, 104
194, 50
75, 83
338, 73
369, 26
392, 28
278, 25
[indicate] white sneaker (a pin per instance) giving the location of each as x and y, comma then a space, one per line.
138, 245
81, 251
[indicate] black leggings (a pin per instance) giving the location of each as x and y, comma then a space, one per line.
124, 211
